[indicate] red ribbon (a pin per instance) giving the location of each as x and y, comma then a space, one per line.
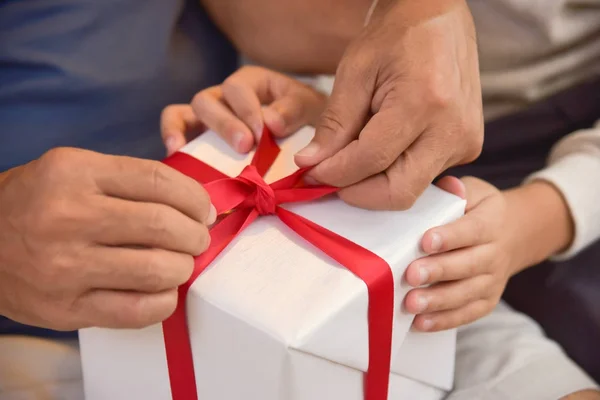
246, 197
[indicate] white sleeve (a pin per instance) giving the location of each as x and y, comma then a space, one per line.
574, 169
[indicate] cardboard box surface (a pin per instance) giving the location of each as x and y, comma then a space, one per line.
273, 318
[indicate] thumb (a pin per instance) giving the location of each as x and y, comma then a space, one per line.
452, 185
346, 112
287, 114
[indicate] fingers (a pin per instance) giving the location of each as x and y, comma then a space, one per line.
242, 92
124, 309
234, 109
398, 187
477, 191
475, 228
127, 223
453, 185
379, 146
450, 266
209, 107
443, 320
289, 113
448, 295
137, 269
178, 124
291, 104
153, 182
346, 112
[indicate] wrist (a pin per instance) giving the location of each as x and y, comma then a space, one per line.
540, 223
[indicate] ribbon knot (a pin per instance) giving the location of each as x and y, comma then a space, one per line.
264, 196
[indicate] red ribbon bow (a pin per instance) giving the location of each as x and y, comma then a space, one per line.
246, 197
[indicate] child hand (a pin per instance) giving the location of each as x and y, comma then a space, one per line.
469, 261
235, 109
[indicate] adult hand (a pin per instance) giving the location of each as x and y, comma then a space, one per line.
405, 106
96, 240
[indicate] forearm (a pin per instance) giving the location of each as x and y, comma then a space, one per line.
540, 223
415, 11
297, 36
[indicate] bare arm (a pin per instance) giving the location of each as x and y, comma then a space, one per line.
298, 36
573, 172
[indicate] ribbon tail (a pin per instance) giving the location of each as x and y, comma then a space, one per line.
175, 330
377, 275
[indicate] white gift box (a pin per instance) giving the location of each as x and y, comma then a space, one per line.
273, 318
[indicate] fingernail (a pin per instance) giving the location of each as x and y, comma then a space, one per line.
309, 150
257, 129
238, 138
212, 215
427, 324
170, 143
259, 134
422, 304
274, 121
436, 242
423, 275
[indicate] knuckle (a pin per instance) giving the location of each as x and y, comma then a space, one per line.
200, 101
330, 122
158, 224
232, 84
57, 161
154, 276
159, 178
168, 111
380, 161
438, 93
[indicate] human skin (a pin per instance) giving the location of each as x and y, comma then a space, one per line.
406, 102
88, 239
